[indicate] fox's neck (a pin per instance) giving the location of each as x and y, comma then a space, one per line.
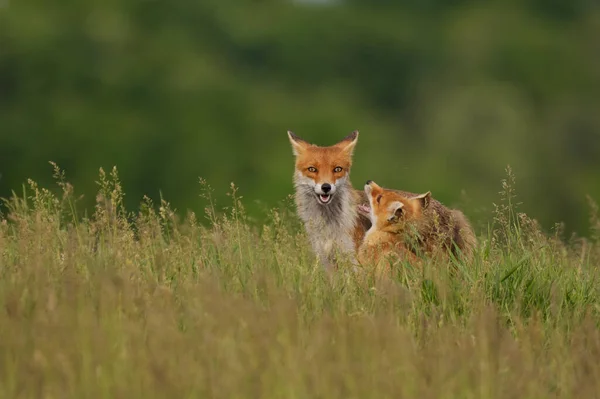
374, 236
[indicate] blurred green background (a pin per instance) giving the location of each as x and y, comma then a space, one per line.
445, 94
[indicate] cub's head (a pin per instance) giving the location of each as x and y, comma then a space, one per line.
390, 210
322, 171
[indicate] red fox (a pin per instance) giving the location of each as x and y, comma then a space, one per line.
326, 202
406, 224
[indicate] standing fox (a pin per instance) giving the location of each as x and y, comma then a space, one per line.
326, 202
406, 224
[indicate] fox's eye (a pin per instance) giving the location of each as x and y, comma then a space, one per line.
379, 198
337, 169
312, 169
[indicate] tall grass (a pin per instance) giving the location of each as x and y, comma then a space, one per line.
122, 305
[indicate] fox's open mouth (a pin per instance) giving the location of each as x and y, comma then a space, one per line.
324, 198
365, 209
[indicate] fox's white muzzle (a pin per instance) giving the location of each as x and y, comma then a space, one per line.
325, 191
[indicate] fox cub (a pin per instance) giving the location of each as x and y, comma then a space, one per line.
406, 224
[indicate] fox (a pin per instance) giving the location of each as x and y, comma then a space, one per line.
326, 202
411, 225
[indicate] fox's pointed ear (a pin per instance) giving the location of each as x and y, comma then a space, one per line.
298, 145
348, 143
398, 208
424, 199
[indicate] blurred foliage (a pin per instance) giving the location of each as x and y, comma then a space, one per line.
444, 93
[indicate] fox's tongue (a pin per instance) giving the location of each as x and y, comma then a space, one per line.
324, 197
364, 208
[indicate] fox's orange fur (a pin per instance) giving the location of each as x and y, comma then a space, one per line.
381, 250
326, 202
406, 224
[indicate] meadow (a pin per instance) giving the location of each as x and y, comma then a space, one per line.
157, 304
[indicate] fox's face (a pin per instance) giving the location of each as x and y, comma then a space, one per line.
322, 171
390, 210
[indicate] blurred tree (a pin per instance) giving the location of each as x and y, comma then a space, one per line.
445, 94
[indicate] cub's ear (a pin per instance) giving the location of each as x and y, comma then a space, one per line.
298, 144
398, 210
424, 199
347, 144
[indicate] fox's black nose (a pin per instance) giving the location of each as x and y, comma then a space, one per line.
326, 187
369, 182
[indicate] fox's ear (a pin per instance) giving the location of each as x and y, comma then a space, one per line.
424, 199
398, 209
298, 145
348, 143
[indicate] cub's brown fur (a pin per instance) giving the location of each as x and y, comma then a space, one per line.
404, 223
